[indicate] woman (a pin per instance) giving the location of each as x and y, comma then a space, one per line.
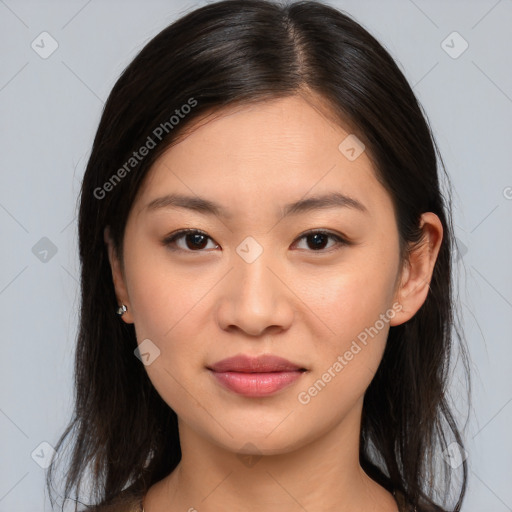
262, 210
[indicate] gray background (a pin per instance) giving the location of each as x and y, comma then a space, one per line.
49, 113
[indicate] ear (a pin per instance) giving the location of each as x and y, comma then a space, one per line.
118, 277
417, 271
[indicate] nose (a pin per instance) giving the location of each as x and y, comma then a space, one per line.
256, 298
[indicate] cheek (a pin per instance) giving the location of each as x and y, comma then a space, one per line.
163, 313
355, 308
167, 304
346, 361
350, 300
162, 294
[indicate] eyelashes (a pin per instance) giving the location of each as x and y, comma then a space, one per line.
196, 240
196, 235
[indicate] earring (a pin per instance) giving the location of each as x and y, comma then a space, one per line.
121, 310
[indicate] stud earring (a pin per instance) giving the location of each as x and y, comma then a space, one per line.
121, 310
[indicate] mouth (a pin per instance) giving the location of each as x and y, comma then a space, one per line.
256, 376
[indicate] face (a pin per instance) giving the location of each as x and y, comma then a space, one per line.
317, 286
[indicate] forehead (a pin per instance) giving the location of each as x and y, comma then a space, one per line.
291, 127
272, 152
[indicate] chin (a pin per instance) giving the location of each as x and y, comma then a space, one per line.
260, 442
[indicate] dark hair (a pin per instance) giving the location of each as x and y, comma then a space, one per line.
239, 52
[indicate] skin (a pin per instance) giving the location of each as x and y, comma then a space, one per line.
294, 301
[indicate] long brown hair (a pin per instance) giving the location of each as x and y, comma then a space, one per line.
237, 52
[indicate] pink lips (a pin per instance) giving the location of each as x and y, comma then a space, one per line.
256, 376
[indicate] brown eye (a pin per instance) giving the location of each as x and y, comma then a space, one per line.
194, 240
316, 241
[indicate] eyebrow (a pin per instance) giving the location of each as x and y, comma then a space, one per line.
208, 207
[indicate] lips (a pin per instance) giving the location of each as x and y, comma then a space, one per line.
265, 363
256, 376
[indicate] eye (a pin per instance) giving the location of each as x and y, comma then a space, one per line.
194, 240
318, 239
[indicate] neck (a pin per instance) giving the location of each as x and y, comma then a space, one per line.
321, 474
